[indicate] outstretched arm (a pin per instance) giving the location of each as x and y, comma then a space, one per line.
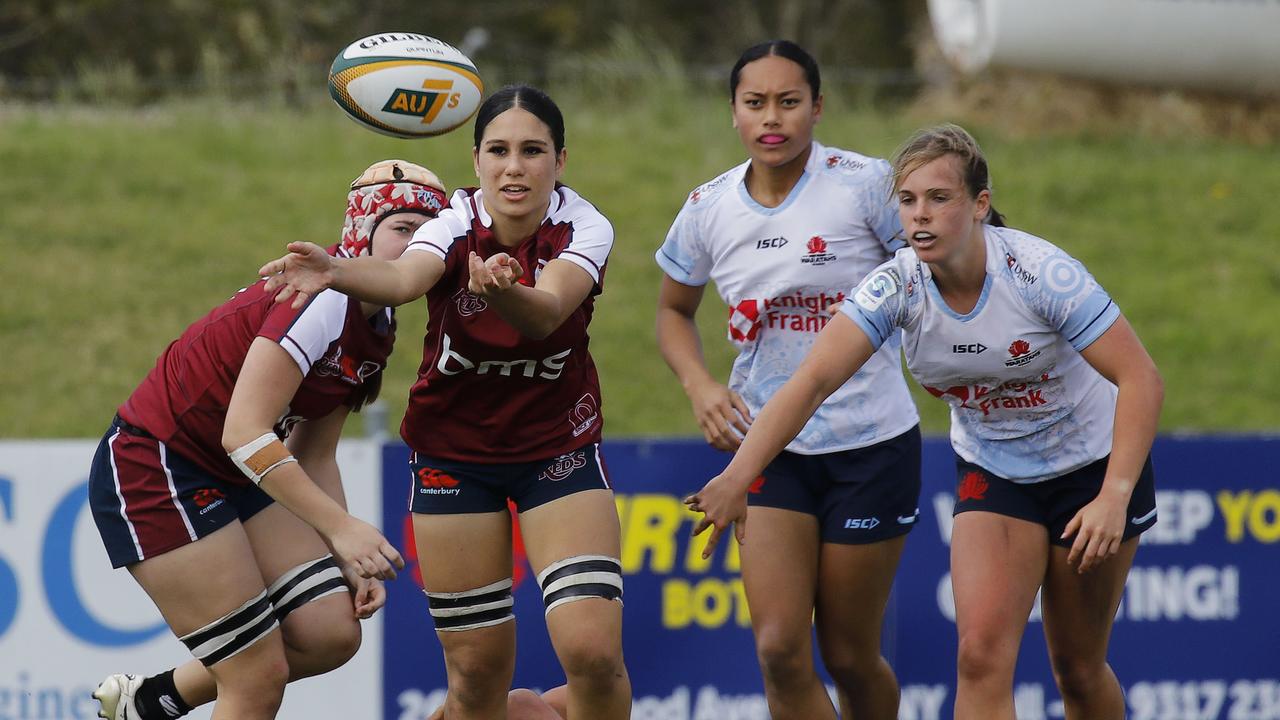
720, 412
535, 311
840, 350
308, 270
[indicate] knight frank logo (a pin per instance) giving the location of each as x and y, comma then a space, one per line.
972, 486
1020, 354
817, 252
426, 105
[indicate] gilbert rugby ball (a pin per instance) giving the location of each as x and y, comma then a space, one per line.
405, 84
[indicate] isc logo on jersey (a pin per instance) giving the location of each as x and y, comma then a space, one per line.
405, 85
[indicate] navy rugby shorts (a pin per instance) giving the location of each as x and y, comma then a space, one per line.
1052, 503
859, 496
442, 487
147, 499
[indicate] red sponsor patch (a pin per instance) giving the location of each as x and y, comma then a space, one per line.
757, 486
433, 478
973, 486
1019, 348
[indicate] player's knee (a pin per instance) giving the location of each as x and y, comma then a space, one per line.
983, 659
783, 657
332, 645
476, 675
259, 686
594, 663
1078, 678
848, 663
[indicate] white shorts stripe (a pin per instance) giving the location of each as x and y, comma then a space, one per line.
173, 491
115, 478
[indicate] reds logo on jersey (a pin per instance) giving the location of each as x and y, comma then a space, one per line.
339, 365
563, 466
469, 304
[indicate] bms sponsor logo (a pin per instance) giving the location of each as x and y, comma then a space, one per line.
453, 363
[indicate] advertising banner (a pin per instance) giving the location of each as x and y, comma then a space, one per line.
67, 619
1197, 636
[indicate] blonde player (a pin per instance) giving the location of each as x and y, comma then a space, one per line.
783, 235
1054, 404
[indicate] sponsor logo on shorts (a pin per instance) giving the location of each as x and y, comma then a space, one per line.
207, 499
972, 486
909, 519
757, 486
1020, 353
437, 482
817, 252
563, 466
861, 523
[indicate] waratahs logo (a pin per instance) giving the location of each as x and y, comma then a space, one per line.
1020, 352
426, 105
818, 254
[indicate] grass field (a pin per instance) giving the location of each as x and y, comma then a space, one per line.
119, 227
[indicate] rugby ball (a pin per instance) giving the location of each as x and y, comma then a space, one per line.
405, 85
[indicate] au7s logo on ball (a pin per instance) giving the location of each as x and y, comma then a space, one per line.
426, 105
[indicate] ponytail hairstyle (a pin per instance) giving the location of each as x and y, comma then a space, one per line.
932, 143
783, 49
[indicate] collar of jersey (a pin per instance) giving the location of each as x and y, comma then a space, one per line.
751, 203
932, 289
482, 213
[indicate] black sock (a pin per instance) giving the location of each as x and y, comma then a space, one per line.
158, 699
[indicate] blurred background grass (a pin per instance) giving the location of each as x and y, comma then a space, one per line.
121, 225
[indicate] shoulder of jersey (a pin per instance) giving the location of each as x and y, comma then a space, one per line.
708, 193
575, 209
1024, 253
844, 165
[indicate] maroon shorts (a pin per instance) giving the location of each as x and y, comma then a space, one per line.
148, 500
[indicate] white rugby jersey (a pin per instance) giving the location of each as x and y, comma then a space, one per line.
1024, 404
779, 268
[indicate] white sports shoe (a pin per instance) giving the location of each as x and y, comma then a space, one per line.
115, 694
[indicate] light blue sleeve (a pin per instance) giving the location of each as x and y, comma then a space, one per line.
882, 208
1073, 302
877, 304
682, 255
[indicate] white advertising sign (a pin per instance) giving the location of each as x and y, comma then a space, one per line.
67, 619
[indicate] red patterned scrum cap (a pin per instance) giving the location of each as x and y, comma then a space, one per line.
387, 187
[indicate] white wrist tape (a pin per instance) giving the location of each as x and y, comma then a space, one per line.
258, 457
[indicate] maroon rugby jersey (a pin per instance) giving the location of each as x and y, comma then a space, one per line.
485, 393
183, 401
